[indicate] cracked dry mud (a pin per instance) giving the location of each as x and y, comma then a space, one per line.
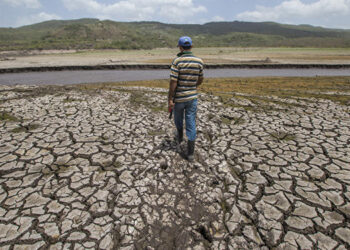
99, 169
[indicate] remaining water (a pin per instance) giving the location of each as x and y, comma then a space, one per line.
98, 76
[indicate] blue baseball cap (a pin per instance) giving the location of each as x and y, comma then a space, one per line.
185, 41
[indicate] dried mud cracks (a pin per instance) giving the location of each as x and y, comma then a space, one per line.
99, 169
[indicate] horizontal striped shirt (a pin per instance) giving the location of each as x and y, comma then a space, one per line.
186, 69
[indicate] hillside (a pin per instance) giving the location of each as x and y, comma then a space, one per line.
96, 34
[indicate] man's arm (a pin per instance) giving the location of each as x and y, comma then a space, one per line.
199, 81
171, 94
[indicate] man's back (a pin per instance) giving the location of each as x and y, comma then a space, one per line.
186, 69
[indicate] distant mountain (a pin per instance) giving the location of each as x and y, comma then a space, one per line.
96, 34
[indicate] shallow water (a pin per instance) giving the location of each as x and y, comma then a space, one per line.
97, 76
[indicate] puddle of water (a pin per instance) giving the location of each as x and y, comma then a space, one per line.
97, 76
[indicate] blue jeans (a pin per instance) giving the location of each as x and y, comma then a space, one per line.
189, 109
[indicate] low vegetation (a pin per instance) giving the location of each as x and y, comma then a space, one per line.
5, 116
26, 128
282, 136
96, 34
156, 132
335, 88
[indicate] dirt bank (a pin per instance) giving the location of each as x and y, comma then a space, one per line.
163, 66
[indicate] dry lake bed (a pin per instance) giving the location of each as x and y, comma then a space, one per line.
212, 55
97, 168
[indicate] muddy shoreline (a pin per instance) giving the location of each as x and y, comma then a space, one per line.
164, 66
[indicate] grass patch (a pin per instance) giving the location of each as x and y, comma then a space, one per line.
282, 136
235, 173
56, 169
245, 107
226, 121
70, 100
157, 109
257, 103
232, 120
117, 164
249, 107
224, 206
156, 132
238, 120
258, 100
282, 87
112, 86
26, 128
4, 116
22, 90
138, 99
210, 116
341, 99
104, 138
110, 166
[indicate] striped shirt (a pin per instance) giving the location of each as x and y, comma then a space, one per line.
186, 69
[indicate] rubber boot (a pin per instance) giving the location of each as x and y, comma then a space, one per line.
180, 136
190, 150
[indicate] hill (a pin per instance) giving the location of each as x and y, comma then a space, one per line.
96, 34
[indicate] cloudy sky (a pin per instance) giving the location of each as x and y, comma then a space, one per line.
326, 13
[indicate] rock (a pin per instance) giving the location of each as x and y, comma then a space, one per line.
76, 236
344, 234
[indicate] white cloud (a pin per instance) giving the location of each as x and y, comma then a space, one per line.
137, 10
218, 19
34, 4
36, 18
296, 11
212, 19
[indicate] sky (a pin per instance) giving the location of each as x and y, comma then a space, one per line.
325, 13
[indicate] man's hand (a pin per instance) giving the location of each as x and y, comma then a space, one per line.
171, 105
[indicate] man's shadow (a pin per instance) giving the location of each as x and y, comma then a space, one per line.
170, 144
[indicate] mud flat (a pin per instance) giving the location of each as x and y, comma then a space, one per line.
98, 168
214, 57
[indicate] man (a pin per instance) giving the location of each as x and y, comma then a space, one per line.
186, 74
